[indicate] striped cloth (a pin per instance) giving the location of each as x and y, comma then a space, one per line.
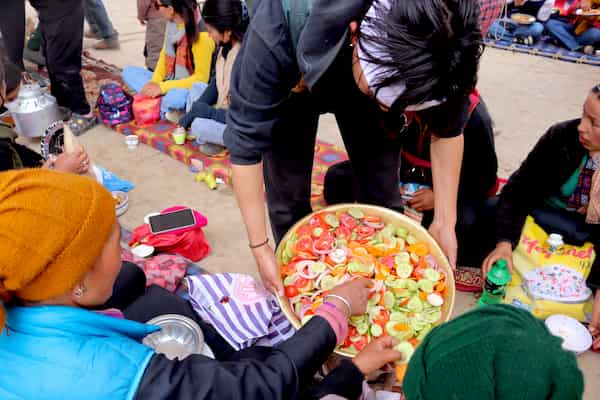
239, 308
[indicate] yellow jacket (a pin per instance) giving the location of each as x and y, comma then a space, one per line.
202, 51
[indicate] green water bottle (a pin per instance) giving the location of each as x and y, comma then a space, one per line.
494, 287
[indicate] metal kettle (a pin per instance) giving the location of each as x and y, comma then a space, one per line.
34, 110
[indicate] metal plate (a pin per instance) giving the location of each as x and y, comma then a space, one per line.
388, 216
178, 338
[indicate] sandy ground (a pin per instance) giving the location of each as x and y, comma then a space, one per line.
525, 95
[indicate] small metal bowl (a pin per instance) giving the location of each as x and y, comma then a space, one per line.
178, 338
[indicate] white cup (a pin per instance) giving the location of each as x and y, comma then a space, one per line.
131, 141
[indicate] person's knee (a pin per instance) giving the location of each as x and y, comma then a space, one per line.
537, 29
175, 99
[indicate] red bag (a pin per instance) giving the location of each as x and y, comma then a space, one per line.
190, 244
146, 110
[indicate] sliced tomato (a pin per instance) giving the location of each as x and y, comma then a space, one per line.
360, 344
304, 245
304, 230
324, 244
343, 233
348, 221
301, 282
288, 269
291, 291
318, 221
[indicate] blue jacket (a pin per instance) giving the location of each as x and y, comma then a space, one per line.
56, 352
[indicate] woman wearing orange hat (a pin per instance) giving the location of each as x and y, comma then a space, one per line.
60, 256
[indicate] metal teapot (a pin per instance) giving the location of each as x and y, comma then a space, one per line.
34, 110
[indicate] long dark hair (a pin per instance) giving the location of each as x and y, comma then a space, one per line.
187, 9
433, 46
226, 15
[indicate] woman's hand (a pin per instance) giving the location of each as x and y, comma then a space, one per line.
268, 269
422, 200
445, 235
502, 250
377, 354
355, 292
151, 89
73, 163
594, 326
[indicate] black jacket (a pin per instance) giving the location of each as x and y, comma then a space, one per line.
260, 373
548, 166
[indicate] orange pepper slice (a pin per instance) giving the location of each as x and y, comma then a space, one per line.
414, 342
401, 327
423, 295
400, 371
440, 287
419, 249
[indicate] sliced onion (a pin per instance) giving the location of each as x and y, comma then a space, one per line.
374, 225
435, 299
302, 265
339, 256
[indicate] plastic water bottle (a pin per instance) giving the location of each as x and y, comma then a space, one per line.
494, 287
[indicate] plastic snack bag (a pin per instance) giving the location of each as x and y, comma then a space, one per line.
549, 282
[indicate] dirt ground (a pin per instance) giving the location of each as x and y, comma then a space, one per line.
525, 95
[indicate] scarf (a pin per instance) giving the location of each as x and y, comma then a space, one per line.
581, 196
223, 69
179, 60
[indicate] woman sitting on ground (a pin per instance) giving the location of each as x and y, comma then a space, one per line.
554, 184
184, 60
59, 257
226, 22
577, 32
477, 179
513, 31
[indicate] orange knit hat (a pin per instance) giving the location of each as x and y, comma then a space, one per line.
53, 227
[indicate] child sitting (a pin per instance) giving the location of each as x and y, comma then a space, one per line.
577, 32
184, 60
226, 22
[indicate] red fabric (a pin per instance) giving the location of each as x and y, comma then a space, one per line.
190, 244
489, 11
146, 110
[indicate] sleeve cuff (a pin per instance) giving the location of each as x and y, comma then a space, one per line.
345, 381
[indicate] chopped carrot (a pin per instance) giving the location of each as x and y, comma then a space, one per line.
404, 302
401, 371
422, 295
414, 342
401, 327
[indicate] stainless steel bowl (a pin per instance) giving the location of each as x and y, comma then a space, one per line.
178, 338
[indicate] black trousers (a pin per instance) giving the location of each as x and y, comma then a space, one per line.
474, 224
373, 152
61, 26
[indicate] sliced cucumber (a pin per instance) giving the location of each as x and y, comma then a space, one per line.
332, 220
317, 232
376, 330
319, 267
356, 213
328, 282
398, 317
388, 300
404, 270
412, 285
407, 350
362, 328
432, 274
426, 285
402, 232
410, 239
415, 304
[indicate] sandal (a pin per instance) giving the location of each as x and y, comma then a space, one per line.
80, 124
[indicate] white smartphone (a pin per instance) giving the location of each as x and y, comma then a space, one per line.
174, 221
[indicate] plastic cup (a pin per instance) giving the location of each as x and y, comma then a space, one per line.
179, 136
131, 141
